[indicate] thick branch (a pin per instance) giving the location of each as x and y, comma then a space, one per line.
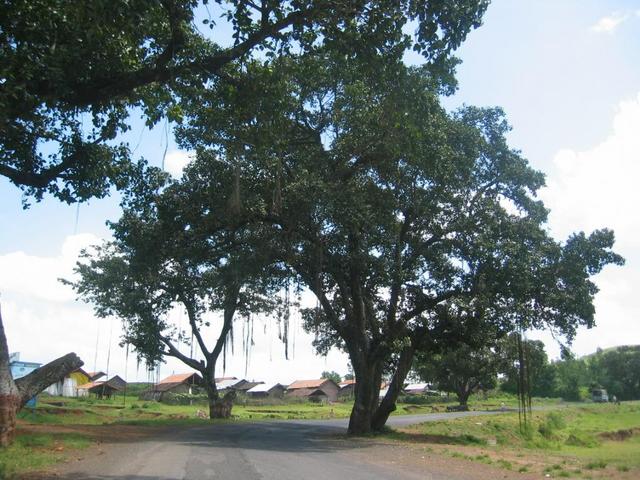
103, 90
35, 382
174, 352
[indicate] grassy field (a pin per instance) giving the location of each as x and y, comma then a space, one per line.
90, 411
579, 441
35, 449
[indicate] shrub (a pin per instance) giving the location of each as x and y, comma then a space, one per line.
553, 422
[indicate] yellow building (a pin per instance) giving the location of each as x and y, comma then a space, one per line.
68, 386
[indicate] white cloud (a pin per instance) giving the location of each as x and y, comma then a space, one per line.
44, 321
176, 161
609, 23
598, 188
38, 276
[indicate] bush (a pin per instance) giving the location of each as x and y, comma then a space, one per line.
185, 398
581, 440
551, 425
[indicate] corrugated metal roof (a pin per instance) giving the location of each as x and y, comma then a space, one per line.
417, 386
264, 387
227, 383
347, 383
308, 383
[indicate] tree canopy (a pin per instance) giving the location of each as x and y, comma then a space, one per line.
72, 72
398, 216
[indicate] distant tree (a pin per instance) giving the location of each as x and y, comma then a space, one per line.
161, 258
571, 376
335, 376
537, 364
617, 370
462, 370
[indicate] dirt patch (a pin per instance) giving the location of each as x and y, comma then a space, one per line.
620, 435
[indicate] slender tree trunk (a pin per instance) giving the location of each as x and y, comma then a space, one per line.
388, 404
14, 394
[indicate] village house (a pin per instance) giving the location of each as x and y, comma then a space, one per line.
321, 390
266, 390
68, 386
178, 383
347, 389
417, 389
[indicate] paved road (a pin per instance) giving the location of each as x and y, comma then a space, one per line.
278, 450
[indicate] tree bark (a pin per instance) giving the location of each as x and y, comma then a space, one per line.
388, 404
14, 394
221, 407
463, 395
367, 390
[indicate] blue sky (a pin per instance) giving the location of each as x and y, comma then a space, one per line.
567, 73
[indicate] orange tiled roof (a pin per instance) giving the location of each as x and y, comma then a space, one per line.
308, 383
177, 378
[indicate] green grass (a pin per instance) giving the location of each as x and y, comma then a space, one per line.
590, 436
31, 452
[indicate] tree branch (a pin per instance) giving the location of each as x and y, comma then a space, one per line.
174, 352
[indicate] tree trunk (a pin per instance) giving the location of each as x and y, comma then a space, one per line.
463, 395
221, 407
218, 407
367, 390
388, 404
14, 394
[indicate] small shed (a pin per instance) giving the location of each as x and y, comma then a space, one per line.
118, 382
310, 388
99, 389
266, 390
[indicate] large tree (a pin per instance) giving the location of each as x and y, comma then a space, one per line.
387, 208
71, 73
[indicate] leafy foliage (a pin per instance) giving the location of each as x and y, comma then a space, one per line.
72, 71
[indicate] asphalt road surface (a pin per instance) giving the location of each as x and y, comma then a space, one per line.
278, 450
